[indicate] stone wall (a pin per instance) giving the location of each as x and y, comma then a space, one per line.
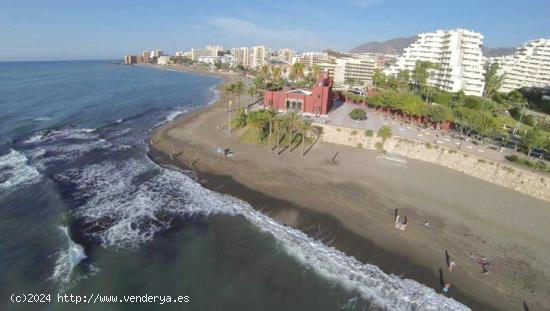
520, 180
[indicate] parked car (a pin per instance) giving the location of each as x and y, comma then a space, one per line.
538, 153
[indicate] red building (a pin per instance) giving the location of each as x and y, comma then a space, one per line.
318, 100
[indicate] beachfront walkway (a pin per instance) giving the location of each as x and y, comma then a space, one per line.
339, 116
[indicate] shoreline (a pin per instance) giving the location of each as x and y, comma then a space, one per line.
386, 250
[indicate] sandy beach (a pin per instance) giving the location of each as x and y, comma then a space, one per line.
350, 205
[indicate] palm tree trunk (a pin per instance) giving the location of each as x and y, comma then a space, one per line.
277, 149
290, 141
270, 125
303, 142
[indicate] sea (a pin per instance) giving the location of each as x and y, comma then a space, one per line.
89, 222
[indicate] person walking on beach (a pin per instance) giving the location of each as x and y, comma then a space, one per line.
445, 289
484, 264
398, 224
450, 264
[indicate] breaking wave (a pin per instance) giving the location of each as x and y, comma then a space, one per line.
15, 172
126, 203
67, 259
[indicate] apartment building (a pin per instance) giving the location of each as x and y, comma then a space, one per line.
311, 59
285, 55
146, 56
240, 56
458, 53
357, 71
258, 56
529, 67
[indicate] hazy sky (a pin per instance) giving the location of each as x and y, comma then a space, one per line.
105, 29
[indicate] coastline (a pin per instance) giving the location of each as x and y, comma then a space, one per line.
339, 210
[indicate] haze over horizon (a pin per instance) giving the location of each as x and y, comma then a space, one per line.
37, 30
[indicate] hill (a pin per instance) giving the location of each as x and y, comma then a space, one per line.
396, 46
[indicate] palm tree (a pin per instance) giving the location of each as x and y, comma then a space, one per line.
297, 71
277, 75
264, 71
278, 124
492, 80
292, 119
238, 89
271, 114
305, 126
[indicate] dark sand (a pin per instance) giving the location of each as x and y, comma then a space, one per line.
350, 205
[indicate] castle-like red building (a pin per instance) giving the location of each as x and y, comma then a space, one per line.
317, 101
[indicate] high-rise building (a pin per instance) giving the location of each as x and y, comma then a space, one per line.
156, 53
458, 54
240, 56
258, 57
214, 49
310, 59
357, 71
145, 56
285, 55
529, 67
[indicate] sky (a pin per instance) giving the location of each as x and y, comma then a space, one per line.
109, 29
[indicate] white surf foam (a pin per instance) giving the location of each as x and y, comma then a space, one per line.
132, 212
174, 114
67, 259
14, 171
42, 119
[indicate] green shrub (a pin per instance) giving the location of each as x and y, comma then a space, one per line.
379, 146
360, 145
338, 130
428, 145
358, 114
353, 133
369, 133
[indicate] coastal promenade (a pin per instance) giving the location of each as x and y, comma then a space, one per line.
361, 191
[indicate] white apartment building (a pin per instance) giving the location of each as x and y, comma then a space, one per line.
529, 67
258, 56
285, 55
458, 53
310, 59
240, 56
358, 70
209, 50
163, 60
156, 53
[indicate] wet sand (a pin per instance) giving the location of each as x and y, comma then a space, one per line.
350, 205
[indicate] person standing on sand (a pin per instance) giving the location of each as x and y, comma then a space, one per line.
484, 264
445, 289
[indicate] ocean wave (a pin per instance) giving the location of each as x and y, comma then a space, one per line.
122, 212
67, 259
172, 115
15, 172
42, 119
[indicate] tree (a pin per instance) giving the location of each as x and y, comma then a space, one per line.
385, 133
297, 71
305, 127
238, 89
378, 78
271, 115
421, 73
265, 72
358, 114
277, 76
493, 81
439, 114
291, 122
533, 138
403, 78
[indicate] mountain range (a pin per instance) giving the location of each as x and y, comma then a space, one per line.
396, 46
